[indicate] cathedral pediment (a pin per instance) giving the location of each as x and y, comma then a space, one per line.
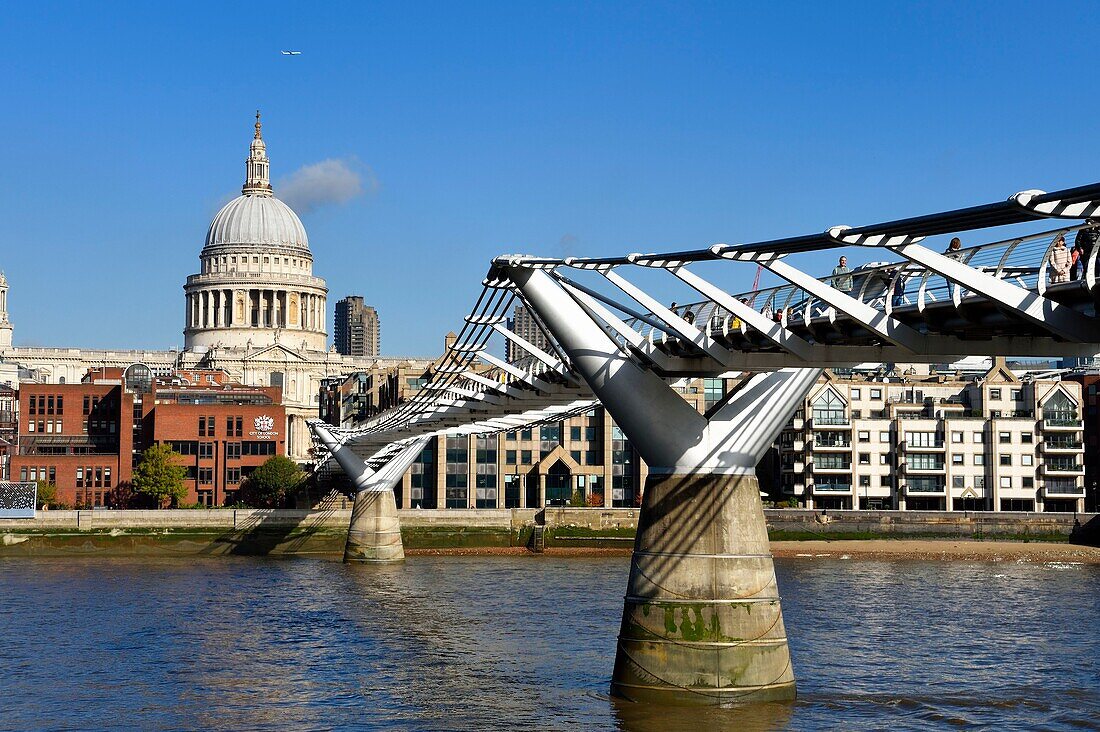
275, 352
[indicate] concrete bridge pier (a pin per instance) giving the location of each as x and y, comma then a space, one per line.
702, 622
374, 535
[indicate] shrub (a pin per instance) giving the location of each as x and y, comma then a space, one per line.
159, 477
271, 484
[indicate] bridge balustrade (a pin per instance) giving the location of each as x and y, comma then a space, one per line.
889, 287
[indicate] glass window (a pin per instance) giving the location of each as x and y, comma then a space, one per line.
883, 436
1026, 438
979, 459
865, 458
995, 394
1004, 437
957, 437
855, 393
876, 393
864, 436
1027, 460
829, 409
1006, 460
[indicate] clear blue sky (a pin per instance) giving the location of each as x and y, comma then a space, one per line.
491, 128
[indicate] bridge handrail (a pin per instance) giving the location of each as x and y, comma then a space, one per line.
1021, 259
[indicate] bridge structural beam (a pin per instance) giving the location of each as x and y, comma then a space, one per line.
374, 534
702, 622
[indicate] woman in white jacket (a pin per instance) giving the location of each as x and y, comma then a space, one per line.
1059, 260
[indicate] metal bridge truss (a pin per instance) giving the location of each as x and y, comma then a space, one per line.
914, 305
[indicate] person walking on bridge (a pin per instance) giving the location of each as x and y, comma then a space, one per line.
842, 276
1059, 260
954, 249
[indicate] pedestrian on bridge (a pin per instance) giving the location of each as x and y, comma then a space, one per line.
1076, 261
842, 276
1060, 260
954, 248
1083, 242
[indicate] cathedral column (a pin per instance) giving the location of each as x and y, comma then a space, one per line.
229, 312
253, 302
208, 317
218, 303
273, 308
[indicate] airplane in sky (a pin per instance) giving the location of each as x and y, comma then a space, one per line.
291, 53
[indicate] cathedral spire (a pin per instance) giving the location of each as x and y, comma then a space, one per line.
257, 180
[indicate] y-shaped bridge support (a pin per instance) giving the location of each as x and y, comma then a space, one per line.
702, 624
374, 534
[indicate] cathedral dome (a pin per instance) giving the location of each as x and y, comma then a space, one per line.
257, 219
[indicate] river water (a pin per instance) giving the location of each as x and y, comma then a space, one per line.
517, 643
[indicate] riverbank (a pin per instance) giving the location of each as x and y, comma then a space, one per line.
890, 549
480, 531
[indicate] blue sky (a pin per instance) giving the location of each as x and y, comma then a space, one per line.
484, 128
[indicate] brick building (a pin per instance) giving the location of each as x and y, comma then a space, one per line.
86, 438
222, 431
76, 436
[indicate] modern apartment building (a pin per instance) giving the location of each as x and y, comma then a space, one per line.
994, 443
1090, 398
356, 329
985, 442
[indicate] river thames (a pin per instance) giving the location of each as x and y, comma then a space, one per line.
527, 642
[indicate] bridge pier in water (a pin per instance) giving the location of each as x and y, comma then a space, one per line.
702, 622
374, 534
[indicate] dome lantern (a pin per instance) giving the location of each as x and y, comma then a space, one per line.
257, 181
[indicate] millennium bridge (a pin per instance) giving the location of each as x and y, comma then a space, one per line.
702, 622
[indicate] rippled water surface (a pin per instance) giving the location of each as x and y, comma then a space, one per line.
487, 643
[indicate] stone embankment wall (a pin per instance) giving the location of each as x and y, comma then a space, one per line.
252, 531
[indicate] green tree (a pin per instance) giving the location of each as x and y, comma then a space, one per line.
159, 477
47, 495
271, 484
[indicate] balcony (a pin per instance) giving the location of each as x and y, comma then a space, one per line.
831, 488
1061, 447
926, 489
831, 422
796, 467
832, 445
1061, 467
907, 466
1060, 421
829, 464
1063, 489
905, 446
